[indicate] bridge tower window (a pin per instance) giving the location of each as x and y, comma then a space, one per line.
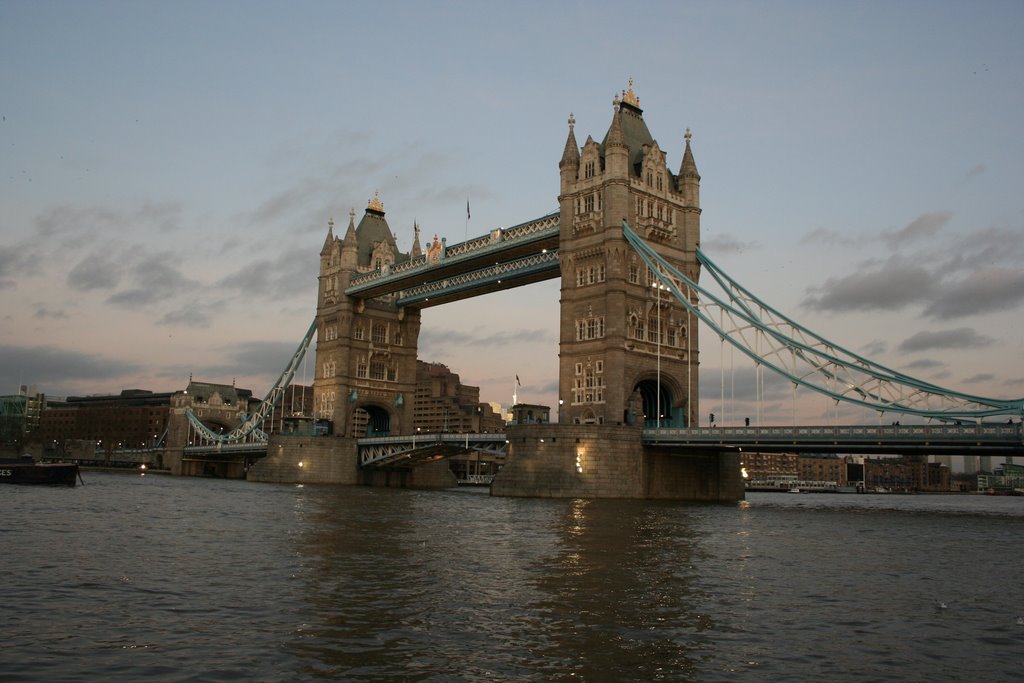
377, 370
589, 386
590, 328
380, 333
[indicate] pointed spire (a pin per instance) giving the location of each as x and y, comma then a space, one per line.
571, 154
688, 169
416, 249
375, 205
330, 237
629, 97
350, 233
615, 135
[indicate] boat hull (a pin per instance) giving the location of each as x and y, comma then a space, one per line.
41, 474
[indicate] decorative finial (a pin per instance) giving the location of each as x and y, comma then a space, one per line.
330, 224
375, 203
629, 97
688, 136
572, 120
615, 103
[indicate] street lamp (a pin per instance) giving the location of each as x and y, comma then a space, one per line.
657, 284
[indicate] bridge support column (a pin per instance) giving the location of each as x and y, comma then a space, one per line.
307, 460
435, 475
172, 458
599, 461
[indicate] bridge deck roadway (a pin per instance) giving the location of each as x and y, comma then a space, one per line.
410, 451
985, 439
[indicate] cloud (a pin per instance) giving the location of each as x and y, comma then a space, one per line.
190, 315
828, 237
48, 366
893, 285
155, 279
727, 245
976, 170
289, 273
925, 364
42, 313
983, 291
924, 226
253, 359
986, 248
741, 384
95, 271
874, 348
79, 225
15, 260
980, 378
959, 338
481, 337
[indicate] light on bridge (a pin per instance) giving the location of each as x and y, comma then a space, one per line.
300, 463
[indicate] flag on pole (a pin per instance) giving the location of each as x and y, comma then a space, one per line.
467, 209
517, 381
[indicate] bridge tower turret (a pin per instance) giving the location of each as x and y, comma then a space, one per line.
366, 349
627, 348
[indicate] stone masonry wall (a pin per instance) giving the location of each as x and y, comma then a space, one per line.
307, 459
592, 461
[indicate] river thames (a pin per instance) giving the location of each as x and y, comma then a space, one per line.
181, 579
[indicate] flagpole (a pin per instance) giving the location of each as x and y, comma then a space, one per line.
467, 220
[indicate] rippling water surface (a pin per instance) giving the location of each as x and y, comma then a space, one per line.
177, 579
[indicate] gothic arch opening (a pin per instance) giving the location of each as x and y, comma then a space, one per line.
658, 398
370, 420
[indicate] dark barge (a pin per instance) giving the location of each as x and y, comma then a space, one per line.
27, 471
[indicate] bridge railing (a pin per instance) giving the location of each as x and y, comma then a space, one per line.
848, 433
226, 447
378, 449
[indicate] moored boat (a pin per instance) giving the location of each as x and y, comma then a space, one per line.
27, 471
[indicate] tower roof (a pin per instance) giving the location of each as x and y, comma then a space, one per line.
372, 230
630, 119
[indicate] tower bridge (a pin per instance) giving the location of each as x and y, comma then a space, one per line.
625, 243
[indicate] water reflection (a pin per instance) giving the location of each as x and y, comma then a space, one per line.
619, 599
428, 586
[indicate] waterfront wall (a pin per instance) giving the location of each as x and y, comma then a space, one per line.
293, 459
598, 461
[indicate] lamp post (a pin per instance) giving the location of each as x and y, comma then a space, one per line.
659, 286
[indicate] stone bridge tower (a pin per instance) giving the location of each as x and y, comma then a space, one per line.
366, 349
627, 351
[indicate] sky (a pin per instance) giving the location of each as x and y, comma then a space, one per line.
168, 170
